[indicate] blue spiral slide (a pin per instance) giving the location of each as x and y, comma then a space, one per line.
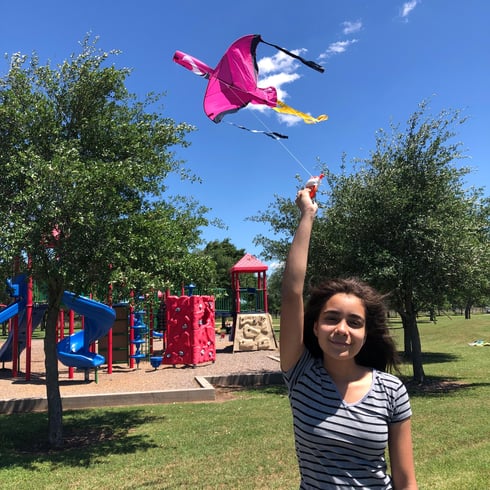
74, 351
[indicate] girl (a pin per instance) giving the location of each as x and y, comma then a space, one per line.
346, 408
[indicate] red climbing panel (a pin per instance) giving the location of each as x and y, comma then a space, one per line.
190, 330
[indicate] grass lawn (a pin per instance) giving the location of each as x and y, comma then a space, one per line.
247, 443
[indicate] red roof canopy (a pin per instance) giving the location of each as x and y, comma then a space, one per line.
249, 263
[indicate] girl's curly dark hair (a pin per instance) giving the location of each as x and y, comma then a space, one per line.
379, 350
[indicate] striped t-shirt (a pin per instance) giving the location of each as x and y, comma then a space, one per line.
339, 444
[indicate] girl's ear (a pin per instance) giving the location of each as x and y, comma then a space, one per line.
315, 328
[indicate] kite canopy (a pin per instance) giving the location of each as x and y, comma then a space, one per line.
232, 84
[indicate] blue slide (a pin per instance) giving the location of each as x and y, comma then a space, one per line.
17, 288
74, 351
10, 311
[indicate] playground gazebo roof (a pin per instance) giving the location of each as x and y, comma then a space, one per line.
250, 264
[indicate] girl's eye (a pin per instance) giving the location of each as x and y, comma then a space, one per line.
355, 322
332, 320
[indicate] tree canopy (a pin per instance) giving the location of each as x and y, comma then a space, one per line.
404, 221
224, 255
84, 164
82, 158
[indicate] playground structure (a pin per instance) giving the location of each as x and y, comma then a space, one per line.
24, 318
191, 332
75, 350
188, 331
140, 330
126, 332
252, 328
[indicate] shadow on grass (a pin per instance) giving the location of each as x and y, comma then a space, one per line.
227, 393
438, 357
279, 389
87, 435
437, 386
432, 358
276, 389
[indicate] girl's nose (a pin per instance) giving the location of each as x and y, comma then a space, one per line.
342, 327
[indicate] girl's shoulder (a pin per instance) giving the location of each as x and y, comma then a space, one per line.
391, 389
387, 379
307, 365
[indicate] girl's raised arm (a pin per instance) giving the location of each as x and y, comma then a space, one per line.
292, 314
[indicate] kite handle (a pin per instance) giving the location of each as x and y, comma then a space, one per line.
313, 183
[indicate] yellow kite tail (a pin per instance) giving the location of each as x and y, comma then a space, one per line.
307, 118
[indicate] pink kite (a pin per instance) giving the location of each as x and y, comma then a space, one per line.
232, 84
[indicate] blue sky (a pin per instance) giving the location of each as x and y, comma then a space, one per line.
381, 59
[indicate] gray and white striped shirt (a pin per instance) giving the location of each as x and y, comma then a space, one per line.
339, 444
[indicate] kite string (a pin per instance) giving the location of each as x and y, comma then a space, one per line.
291, 154
238, 91
294, 157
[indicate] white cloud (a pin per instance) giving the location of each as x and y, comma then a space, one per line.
337, 48
277, 80
280, 62
351, 27
277, 71
408, 7
289, 120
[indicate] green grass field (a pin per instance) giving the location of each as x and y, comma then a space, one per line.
247, 443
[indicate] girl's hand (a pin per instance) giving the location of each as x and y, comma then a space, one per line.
304, 202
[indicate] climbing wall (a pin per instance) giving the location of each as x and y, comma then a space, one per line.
190, 330
254, 331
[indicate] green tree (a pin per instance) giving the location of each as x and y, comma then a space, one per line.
82, 189
403, 221
274, 291
224, 255
474, 286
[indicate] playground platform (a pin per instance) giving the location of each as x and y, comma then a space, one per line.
139, 386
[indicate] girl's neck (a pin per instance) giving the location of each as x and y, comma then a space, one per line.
352, 381
344, 371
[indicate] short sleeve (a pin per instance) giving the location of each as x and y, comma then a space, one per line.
401, 404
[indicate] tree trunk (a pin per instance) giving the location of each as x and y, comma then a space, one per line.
55, 409
418, 368
412, 338
467, 311
407, 339
432, 315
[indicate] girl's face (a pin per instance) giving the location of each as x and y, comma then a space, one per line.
341, 326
